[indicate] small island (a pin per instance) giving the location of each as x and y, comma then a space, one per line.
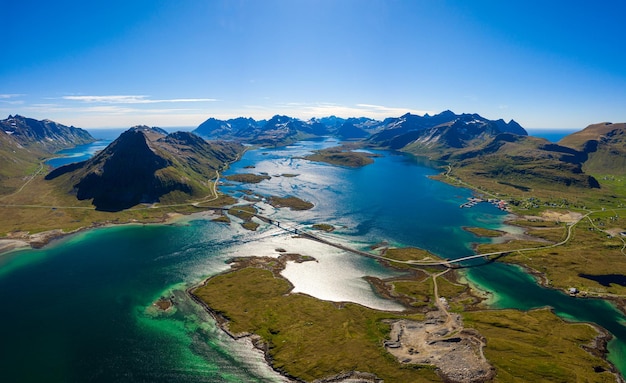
294, 203
324, 227
342, 156
248, 178
245, 213
164, 304
482, 232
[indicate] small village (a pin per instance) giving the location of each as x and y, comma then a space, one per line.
473, 201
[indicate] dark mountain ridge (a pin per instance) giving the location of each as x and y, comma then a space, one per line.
144, 165
281, 130
490, 149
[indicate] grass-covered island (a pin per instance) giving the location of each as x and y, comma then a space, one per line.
433, 340
342, 156
324, 227
292, 202
483, 232
248, 178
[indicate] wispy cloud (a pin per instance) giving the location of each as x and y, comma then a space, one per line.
133, 99
104, 110
114, 111
128, 110
9, 98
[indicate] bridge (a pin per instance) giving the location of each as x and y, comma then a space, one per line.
293, 229
448, 262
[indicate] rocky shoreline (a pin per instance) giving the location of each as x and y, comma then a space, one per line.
24, 240
18, 240
256, 341
222, 322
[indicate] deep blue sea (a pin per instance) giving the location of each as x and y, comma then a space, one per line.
81, 309
552, 135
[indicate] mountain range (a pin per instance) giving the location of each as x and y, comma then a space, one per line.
393, 133
283, 130
45, 135
146, 165
490, 149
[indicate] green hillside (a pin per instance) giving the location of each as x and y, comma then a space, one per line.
604, 145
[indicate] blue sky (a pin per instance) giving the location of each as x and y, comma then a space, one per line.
546, 64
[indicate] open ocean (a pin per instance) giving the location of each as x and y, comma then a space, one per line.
552, 135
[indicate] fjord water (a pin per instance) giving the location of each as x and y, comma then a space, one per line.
78, 153
81, 309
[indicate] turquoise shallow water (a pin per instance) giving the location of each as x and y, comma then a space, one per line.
80, 309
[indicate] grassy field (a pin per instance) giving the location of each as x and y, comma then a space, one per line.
293, 203
537, 346
596, 247
39, 206
482, 232
306, 337
248, 178
591, 250
532, 196
341, 156
311, 339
